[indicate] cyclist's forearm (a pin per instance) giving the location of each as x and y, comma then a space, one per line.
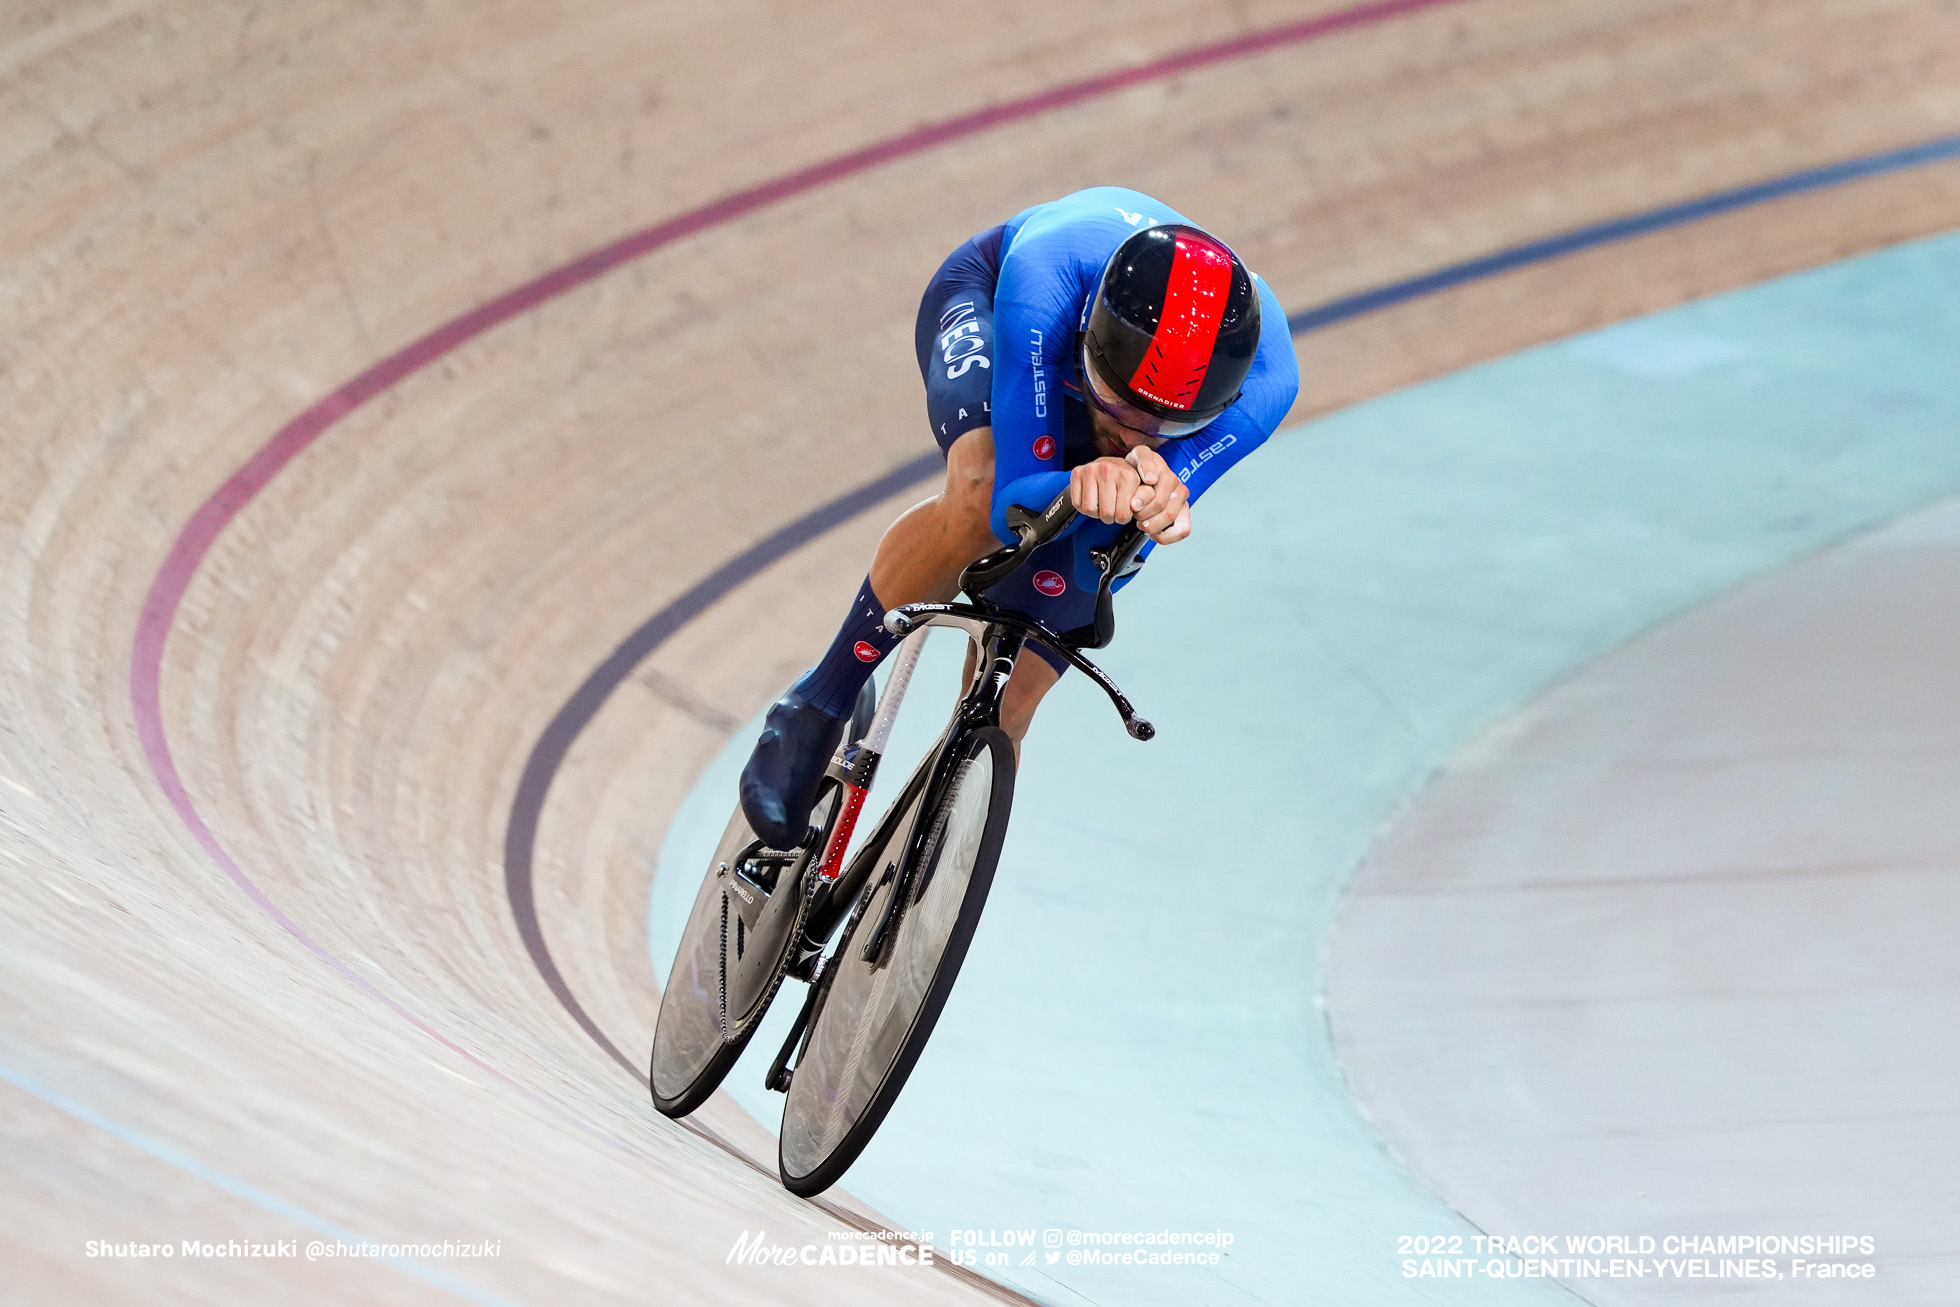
1035, 491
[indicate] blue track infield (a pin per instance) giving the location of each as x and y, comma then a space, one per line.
1137, 1043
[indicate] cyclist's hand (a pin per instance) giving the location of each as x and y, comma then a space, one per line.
1161, 504
1104, 489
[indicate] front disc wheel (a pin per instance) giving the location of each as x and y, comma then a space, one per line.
877, 1015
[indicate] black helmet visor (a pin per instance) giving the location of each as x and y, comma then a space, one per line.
1100, 394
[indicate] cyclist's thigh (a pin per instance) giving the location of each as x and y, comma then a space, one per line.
954, 339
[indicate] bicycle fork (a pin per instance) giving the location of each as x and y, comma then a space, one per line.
980, 707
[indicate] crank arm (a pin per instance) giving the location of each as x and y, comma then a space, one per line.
780, 1071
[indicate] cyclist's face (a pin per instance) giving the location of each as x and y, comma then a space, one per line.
1112, 439
1118, 427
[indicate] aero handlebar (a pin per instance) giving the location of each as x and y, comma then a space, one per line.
1035, 530
1115, 560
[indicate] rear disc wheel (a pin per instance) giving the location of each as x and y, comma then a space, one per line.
739, 936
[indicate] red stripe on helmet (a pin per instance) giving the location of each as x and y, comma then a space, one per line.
1194, 300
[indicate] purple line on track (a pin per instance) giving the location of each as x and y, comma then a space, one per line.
193, 543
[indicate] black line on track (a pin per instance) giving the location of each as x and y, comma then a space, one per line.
548, 754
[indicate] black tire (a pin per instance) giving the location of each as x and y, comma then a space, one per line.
876, 1017
730, 963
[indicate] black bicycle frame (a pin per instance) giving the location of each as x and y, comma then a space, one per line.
1000, 637
978, 709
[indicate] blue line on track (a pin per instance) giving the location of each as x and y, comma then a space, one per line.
1605, 233
278, 1206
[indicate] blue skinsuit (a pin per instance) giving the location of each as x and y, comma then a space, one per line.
996, 341
1052, 256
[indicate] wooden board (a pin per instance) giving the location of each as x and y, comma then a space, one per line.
217, 215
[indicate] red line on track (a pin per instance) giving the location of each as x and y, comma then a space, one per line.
194, 542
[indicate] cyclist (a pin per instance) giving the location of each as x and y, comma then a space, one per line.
1098, 342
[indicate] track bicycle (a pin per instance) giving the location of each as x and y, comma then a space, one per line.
907, 901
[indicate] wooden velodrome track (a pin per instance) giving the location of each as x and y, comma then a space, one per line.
258, 946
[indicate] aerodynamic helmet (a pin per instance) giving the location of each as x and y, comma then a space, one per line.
1171, 331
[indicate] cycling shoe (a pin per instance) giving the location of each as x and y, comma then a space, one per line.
779, 784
